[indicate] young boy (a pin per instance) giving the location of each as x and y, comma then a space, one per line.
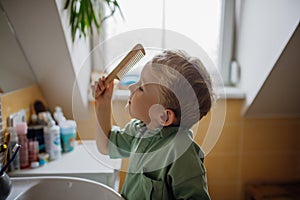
173, 93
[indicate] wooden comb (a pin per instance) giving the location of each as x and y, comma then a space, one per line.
134, 56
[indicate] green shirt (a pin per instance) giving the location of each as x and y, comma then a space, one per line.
163, 164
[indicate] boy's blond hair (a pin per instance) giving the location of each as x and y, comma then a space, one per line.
168, 67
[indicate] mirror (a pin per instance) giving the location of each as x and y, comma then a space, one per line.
15, 70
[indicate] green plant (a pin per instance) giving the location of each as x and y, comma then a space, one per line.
84, 14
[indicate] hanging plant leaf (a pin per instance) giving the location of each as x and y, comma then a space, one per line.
86, 14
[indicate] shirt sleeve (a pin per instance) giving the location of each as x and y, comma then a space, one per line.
120, 141
187, 176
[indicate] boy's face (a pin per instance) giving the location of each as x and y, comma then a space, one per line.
144, 97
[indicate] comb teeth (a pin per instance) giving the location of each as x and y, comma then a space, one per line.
135, 59
126, 63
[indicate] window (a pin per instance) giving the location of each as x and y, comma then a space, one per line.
203, 21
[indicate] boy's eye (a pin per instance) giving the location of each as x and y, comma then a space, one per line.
140, 88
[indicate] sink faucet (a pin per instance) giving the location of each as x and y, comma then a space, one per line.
5, 182
5, 185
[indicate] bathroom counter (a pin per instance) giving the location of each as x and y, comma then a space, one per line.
84, 162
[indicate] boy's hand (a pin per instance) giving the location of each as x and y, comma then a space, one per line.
101, 92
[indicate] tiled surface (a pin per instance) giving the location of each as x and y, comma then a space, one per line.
225, 191
87, 124
229, 141
251, 150
222, 169
234, 111
269, 167
272, 136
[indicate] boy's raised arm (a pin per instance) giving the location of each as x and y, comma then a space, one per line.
103, 96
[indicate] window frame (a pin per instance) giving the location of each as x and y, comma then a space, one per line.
226, 43
226, 39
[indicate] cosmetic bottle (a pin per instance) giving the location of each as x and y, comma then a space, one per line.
52, 140
23, 141
59, 115
68, 135
33, 146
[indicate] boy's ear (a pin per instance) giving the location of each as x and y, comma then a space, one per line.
167, 117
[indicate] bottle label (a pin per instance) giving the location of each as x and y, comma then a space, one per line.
56, 141
53, 144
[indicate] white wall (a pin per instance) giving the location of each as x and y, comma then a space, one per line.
265, 27
55, 62
81, 60
15, 72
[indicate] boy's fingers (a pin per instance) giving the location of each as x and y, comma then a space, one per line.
110, 85
93, 90
100, 86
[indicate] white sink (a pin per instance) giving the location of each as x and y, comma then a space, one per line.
57, 187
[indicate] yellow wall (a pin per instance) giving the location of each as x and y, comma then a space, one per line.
250, 150
20, 99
